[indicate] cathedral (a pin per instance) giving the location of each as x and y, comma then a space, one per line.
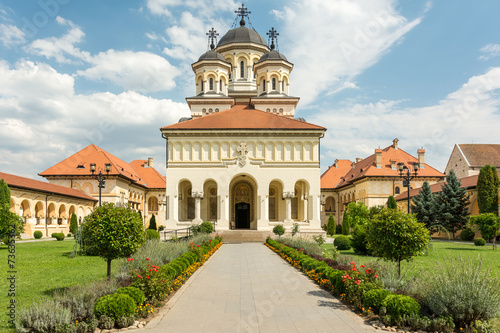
242, 160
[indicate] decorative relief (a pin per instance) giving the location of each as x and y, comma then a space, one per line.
242, 150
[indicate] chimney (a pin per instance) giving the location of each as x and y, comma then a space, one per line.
395, 143
378, 158
150, 162
336, 164
353, 165
421, 162
358, 159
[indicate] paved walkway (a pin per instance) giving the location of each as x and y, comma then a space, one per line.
248, 288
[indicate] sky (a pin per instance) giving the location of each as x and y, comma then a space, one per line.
112, 73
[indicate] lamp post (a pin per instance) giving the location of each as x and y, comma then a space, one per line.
100, 177
404, 172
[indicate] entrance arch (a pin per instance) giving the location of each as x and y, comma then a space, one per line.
243, 202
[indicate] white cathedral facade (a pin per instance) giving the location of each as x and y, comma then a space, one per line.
242, 160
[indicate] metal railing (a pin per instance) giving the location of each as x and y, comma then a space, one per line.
176, 234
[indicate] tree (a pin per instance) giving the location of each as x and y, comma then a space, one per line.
295, 229
73, 225
452, 205
424, 206
391, 203
279, 230
11, 224
113, 232
397, 236
487, 190
330, 227
356, 214
152, 222
488, 224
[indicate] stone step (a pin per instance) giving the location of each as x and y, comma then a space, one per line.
244, 236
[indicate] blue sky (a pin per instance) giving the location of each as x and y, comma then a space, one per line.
113, 72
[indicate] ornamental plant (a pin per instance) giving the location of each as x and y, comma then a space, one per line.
155, 285
357, 282
73, 225
279, 230
114, 306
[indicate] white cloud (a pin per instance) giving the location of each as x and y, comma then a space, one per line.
165, 7
138, 71
10, 35
470, 114
43, 121
490, 51
346, 38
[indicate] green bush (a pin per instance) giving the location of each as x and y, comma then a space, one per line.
152, 234
309, 247
206, 227
37, 234
136, 294
399, 305
359, 241
374, 298
279, 230
125, 321
106, 323
43, 317
467, 234
73, 224
161, 228
152, 223
330, 227
342, 243
68, 235
59, 236
114, 306
345, 226
53, 235
479, 242
338, 229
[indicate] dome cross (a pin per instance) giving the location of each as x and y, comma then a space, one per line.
273, 34
212, 36
243, 12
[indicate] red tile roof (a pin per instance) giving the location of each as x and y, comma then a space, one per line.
367, 167
242, 116
150, 175
78, 164
467, 182
331, 177
478, 155
37, 185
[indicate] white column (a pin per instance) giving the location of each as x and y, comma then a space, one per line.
288, 201
306, 204
249, 73
226, 210
266, 208
197, 207
174, 209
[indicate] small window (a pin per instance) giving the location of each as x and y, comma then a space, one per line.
283, 85
202, 86
211, 84
242, 69
274, 83
263, 85
396, 190
220, 85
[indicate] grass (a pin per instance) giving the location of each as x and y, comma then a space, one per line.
43, 267
440, 251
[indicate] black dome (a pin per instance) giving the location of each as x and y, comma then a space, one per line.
242, 35
272, 55
212, 55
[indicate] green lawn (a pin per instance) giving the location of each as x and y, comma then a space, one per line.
43, 267
442, 250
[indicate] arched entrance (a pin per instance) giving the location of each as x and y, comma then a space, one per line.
243, 203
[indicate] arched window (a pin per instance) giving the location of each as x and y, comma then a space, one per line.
242, 69
202, 86
220, 85
211, 84
274, 83
263, 85
397, 190
283, 85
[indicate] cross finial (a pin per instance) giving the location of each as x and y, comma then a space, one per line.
273, 34
212, 36
243, 12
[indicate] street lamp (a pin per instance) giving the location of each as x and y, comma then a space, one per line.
100, 177
407, 176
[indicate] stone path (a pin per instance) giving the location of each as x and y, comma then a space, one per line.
248, 288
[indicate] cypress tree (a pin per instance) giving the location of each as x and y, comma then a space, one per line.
391, 203
452, 205
487, 190
152, 222
423, 206
4, 194
73, 225
330, 227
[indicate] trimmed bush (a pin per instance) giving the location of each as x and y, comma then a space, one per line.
136, 294
125, 321
479, 242
152, 234
37, 234
106, 322
59, 236
399, 305
338, 229
68, 235
279, 230
467, 234
359, 241
342, 243
114, 306
330, 227
152, 222
206, 227
374, 298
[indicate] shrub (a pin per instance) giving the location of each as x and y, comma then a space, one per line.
68, 235
309, 247
374, 298
53, 235
161, 228
152, 223
114, 306
359, 241
467, 234
345, 226
37, 234
319, 239
342, 243
152, 234
59, 236
463, 290
338, 229
206, 227
136, 294
330, 227
479, 242
399, 305
279, 230
125, 321
488, 224
42, 317
73, 224
106, 322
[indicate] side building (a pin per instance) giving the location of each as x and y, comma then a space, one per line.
467, 159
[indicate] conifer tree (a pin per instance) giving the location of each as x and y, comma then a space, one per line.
487, 190
424, 206
73, 225
152, 222
391, 203
451, 205
10, 224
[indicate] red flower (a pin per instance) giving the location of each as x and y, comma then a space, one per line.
362, 266
130, 259
353, 263
191, 243
376, 276
139, 276
147, 258
147, 277
150, 270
